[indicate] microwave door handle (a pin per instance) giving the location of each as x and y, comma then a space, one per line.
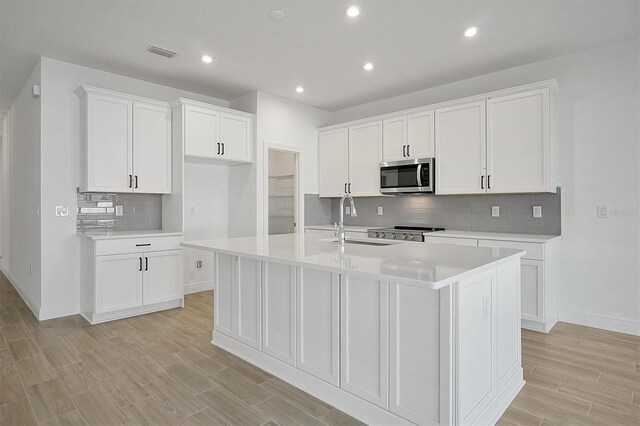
419, 174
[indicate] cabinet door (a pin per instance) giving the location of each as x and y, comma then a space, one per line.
364, 338
249, 302
461, 149
279, 318
162, 278
365, 155
224, 309
414, 353
475, 342
518, 142
394, 139
334, 162
421, 134
152, 148
201, 131
507, 320
532, 293
109, 147
118, 282
317, 320
235, 137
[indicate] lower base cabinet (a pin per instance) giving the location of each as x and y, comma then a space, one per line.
122, 278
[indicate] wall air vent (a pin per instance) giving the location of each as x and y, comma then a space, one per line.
162, 52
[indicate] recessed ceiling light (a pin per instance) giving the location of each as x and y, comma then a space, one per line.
353, 11
277, 15
206, 59
299, 89
471, 31
368, 66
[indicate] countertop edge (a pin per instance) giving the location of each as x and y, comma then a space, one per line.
96, 237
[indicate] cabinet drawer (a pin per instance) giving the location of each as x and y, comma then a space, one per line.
457, 241
137, 245
535, 251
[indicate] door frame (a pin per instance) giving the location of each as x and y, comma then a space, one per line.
298, 218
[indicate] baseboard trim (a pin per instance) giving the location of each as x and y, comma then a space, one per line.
35, 308
597, 321
59, 312
198, 287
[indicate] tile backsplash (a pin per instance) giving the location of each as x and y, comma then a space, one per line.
97, 212
461, 212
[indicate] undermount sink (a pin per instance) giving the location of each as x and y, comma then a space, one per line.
361, 242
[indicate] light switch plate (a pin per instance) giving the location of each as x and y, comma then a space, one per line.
119, 210
537, 211
380, 211
62, 211
603, 212
198, 264
347, 210
495, 211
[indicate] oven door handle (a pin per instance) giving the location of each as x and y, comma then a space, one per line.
419, 175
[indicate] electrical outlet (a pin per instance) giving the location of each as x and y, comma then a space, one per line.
198, 264
119, 210
486, 307
192, 275
380, 211
603, 212
537, 211
347, 210
495, 211
62, 210
192, 211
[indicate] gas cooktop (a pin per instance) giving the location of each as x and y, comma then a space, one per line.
403, 232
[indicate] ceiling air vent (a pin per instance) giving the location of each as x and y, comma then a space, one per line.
162, 52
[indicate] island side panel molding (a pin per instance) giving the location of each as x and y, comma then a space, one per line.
225, 273
507, 311
249, 305
414, 353
318, 324
279, 313
364, 338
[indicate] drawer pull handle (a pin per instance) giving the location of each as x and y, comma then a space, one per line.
146, 263
143, 245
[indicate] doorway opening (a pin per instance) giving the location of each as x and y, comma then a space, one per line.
282, 192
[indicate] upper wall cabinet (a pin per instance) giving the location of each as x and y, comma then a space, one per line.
350, 160
501, 145
212, 132
126, 143
408, 136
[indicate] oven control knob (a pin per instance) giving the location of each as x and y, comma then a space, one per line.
411, 237
403, 236
393, 235
380, 235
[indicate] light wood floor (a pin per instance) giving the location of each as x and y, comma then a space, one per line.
161, 369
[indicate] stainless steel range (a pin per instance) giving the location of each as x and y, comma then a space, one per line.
406, 232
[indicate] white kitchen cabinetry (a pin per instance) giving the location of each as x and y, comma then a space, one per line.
126, 143
127, 277
212, 132
237, 298
334, 162
461, 149
408, 136
364, 339
279, 316
538, 276
317, 324
350, 160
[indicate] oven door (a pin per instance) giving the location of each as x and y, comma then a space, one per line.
406, 176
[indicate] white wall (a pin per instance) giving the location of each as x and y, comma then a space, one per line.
206, 197
22, 241
61, 170
598, 163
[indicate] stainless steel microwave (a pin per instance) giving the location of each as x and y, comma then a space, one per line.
407, 176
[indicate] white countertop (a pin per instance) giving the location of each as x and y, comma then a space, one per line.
347, 228
501, 236
127, 234
427, 265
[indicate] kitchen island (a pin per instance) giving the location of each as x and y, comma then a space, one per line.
388, 332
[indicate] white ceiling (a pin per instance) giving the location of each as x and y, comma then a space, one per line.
414, 44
